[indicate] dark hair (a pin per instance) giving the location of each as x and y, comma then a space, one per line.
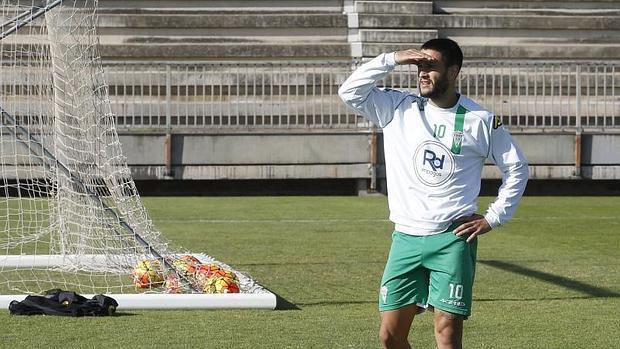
449, 49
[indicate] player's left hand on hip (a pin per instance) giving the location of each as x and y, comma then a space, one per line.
472, 226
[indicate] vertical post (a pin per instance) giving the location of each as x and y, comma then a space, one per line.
168, 139
578, 153
578, 121
578, 97
373, 158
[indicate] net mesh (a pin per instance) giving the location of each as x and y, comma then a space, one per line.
66, 188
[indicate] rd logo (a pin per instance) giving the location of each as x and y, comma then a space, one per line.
433, 160
433, 163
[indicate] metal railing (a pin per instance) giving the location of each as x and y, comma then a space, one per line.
241, 95
304, 94
539, 94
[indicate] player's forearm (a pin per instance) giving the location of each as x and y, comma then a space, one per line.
412, 56
360, 92
514, 182
357, 87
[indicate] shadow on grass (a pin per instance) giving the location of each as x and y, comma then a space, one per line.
338, 303
590, 290
283, 304
534, 299
287, 263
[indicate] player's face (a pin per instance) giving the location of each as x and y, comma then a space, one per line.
433, 80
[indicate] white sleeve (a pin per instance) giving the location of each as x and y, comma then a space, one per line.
360, 92
509, 158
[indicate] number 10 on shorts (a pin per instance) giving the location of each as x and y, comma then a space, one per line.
456, 291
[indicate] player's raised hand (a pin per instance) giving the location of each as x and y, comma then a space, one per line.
412, 56
472, 226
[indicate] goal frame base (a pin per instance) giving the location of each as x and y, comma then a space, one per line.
150, 301
263, 299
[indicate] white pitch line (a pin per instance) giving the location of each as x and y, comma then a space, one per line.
571, 218
268, 220
189, 221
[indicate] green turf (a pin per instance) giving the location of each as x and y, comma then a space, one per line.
549, 279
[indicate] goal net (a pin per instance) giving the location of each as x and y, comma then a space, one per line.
70, 214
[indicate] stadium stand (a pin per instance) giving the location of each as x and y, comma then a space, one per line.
223, 30
287, 29
246, 90
529, 30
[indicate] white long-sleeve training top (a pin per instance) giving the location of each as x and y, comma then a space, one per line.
434, 156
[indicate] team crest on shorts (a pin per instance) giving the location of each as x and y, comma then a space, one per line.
433, 163
384, 293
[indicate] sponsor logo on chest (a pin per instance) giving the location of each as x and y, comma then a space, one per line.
433, 163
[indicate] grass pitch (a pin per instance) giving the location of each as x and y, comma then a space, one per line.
549, 279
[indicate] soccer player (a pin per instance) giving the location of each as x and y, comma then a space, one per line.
435, 148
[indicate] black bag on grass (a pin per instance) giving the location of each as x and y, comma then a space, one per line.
64, 303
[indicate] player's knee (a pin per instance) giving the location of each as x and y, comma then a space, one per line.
390, 338
448, 337
448, 330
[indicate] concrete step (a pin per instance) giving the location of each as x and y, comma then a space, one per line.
198, 23
112, 36
213, 11
554, 7
250, 34
396, 35
413, 7
235, 51
482, 51
240, 39
283, 51
544, 51
227, 51
254, 20
490, 22
527, 36
523, 12
220, 80
324, 35
277, 5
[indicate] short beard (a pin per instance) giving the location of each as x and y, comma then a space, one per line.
438, 89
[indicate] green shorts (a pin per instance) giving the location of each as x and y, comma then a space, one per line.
436, 270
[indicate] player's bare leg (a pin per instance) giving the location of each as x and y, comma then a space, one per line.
448, 330
395, 326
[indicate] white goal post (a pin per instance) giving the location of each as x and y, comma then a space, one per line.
70, 214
